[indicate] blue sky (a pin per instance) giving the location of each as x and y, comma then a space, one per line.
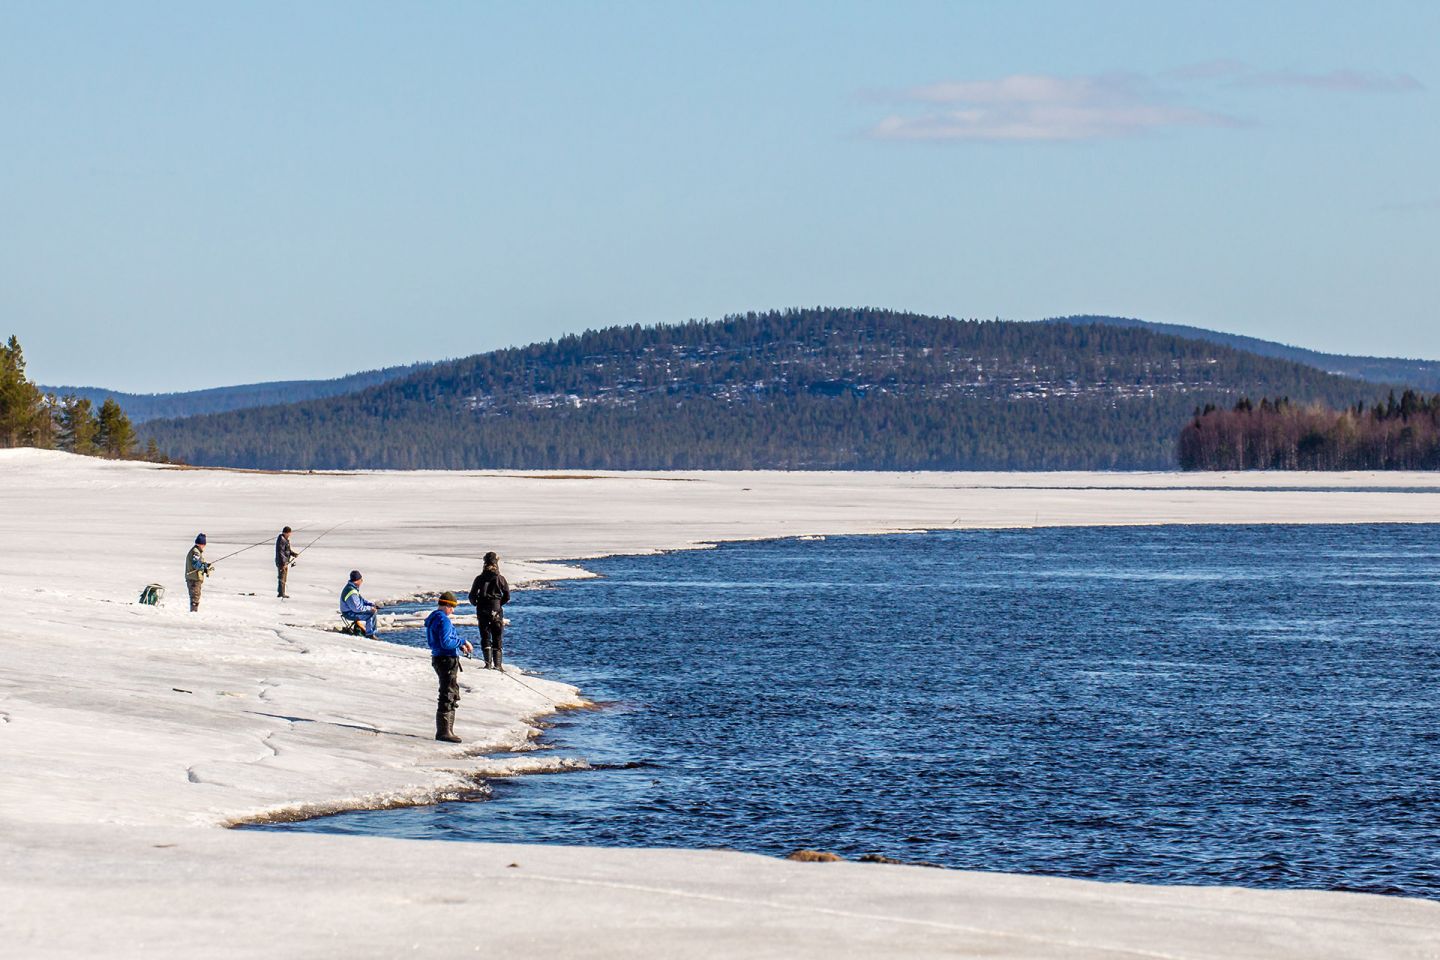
197, 194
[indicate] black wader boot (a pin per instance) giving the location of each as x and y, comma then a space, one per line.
498, 647
447, 671
492, 629
445, 726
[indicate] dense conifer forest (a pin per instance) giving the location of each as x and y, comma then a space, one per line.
1401, 434
795, 389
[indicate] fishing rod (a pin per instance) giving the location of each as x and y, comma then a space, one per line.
240, 551
267, 540
317, 539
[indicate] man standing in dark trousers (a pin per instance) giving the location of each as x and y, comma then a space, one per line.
445, 649
490, 593
196, 570
284, 556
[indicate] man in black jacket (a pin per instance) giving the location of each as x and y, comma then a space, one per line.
490, 592
284, 556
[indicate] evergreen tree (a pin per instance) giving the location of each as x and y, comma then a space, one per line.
22, 406
79, 427
115, 436
42, 426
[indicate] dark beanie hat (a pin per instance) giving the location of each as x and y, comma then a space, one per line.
354, 575
200, 539
448, 599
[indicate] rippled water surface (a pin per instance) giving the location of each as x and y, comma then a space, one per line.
1239, 705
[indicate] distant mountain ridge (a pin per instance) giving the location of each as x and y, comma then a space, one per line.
1420, 374
796, 389
140, 407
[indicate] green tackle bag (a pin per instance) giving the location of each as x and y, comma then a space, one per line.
152, 594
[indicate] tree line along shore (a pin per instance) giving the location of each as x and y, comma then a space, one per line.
822, 388
1394, 434
31, 418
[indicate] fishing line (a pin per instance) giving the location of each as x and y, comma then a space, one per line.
317, 539
531, 689
524, 684
240, 551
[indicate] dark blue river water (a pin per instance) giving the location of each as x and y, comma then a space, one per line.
1238, 705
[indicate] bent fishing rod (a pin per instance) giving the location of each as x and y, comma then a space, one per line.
316, 540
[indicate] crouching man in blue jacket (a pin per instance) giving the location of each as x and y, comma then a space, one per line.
445, 649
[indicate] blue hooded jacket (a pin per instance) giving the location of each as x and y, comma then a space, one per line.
444, 641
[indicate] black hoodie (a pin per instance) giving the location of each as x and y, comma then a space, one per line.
490, 591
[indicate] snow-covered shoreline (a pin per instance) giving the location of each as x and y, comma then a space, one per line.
131, 734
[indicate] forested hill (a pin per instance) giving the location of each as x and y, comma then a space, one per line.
1421, 374
799, 389
140, 407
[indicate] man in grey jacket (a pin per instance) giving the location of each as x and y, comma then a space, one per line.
284, 556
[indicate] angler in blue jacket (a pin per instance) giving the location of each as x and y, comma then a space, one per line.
356, 608
445, 649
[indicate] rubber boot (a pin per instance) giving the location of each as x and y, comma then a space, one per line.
445, 726
489, 652
498, 665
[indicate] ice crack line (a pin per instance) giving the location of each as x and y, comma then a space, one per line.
294, 643
353, 724
856, 915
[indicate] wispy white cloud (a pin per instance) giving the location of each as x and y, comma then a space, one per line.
1038, 108
1029, 88
1037, 122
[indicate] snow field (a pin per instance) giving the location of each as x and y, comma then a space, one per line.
129, 735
